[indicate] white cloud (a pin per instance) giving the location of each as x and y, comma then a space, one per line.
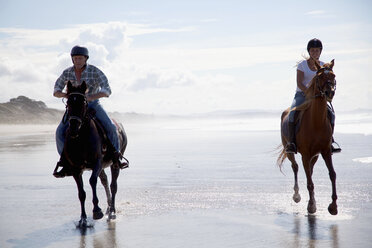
174, 79
316, 12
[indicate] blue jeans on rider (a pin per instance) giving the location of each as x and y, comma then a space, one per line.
300, 99
104, 119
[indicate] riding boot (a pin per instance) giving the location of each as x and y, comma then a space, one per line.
117, 159
333, 148
291, 145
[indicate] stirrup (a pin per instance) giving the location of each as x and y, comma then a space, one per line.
291, 148
117, 160
125, 164
59, 174
335, 150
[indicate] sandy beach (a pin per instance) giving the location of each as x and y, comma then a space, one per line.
190, 184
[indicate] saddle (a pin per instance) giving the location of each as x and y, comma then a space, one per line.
107, 148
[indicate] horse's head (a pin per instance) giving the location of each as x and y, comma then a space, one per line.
77, 105
325, 80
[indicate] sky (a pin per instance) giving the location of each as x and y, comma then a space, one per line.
186, 56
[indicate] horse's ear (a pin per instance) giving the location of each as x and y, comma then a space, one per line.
317, 65
332, 63
69, 86
83, 87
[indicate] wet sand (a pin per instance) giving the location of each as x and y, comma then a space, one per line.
186, 187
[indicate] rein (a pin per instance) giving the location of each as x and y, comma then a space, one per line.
322, 92
77, 93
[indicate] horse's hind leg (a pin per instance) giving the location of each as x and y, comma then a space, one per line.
114, 188
332, 208
82, 197
296, 195
104, 182
123, 139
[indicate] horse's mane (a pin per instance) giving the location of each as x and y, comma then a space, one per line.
310, 92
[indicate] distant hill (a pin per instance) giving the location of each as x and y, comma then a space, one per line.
23, 110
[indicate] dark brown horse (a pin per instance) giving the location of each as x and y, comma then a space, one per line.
84, 149
314, 136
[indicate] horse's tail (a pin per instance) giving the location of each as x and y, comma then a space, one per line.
282, 156
281, 150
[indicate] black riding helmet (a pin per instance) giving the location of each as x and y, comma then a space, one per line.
78, 50
314, 43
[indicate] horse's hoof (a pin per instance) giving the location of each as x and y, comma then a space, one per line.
296, 198
311, 208
98, 215
332, 209
83, 223
111, 216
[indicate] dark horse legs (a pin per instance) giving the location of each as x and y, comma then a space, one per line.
110, 194
97, 212
104, 182
114, 188
82, 195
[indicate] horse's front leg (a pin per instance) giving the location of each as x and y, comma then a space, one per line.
97, 212
327, 156
296, 195
114, 188
308, 163
82, 195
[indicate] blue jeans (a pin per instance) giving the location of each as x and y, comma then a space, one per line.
300, 99
104, 119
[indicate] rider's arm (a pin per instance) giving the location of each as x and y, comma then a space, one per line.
105, 90
59, 94
98, 95
60, 85
300, 79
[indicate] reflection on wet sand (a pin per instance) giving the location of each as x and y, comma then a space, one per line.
312, 230
99, 240
313, 233
334, 234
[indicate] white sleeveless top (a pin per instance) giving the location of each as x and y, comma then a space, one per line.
308, 73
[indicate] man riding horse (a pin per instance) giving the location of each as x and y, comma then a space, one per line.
97, 87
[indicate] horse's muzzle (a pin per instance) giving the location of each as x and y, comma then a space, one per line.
329, 95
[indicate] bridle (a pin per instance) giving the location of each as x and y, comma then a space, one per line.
79, 119
329, 83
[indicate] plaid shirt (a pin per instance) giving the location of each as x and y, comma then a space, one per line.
95, 79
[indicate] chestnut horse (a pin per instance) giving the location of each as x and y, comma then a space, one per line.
85, 149
314, 135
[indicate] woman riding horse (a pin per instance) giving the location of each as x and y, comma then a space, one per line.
306, 70
314, 136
